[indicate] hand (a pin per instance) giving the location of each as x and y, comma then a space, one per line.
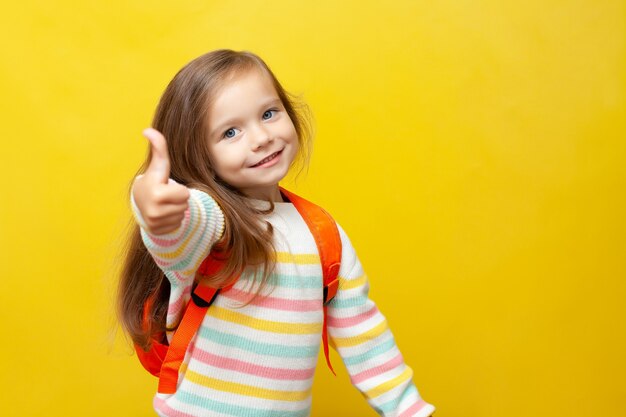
161, 201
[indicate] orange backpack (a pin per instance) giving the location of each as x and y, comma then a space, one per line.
163, 360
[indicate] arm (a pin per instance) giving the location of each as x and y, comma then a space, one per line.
180, 252
178, 226
361, 336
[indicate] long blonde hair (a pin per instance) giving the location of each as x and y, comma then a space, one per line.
181, 116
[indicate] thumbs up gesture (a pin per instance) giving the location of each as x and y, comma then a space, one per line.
161, 201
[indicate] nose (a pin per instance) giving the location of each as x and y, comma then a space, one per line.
260, 136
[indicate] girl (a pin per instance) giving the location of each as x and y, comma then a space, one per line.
225, 133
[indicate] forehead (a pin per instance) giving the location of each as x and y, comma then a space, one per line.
240, 92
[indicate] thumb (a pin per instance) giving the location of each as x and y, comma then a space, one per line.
159, 168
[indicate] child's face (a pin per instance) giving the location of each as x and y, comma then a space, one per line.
247, 124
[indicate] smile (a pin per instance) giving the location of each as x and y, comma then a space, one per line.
269, 161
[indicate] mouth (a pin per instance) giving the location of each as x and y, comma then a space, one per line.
267, 160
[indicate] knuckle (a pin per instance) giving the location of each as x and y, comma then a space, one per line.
150, 223
158, 194
152, 214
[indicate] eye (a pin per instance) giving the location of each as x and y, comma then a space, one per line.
269, 114
230, 133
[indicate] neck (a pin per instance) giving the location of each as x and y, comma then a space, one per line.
268, 194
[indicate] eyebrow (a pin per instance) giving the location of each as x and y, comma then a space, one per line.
271, 102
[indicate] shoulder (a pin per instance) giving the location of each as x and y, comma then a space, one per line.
345, 240
348, 253
349, 257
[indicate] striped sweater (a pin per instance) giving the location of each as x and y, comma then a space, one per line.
259, 359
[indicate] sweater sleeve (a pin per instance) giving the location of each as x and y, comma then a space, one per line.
180, 253
361, 336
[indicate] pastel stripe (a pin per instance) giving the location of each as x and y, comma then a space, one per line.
297, 282
181, 277
284, 279
298, 259
275, 303
243, 389
339, 302
191, 230
371, 353
175, 306
257, 347
349, 284
394, 403
162, 262
413, 409
372, 372
354, 320
262, 324
165, 242
253, 369
361, 338
161, 405
389, 385
183, 245
235, 410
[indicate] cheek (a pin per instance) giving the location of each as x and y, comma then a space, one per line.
289, 130
219, 158
230, 158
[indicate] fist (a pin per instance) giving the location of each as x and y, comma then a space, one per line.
161, 201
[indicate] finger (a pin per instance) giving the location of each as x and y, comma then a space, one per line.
172, 193
164, 214
168, 227
159, 168
174, 219
172, 209
180, 193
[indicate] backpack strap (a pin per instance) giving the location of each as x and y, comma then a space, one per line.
163, 359
328, 241
326, 235
201, 299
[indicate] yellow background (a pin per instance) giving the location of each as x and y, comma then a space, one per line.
474, 151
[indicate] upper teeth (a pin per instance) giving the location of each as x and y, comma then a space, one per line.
269, 158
